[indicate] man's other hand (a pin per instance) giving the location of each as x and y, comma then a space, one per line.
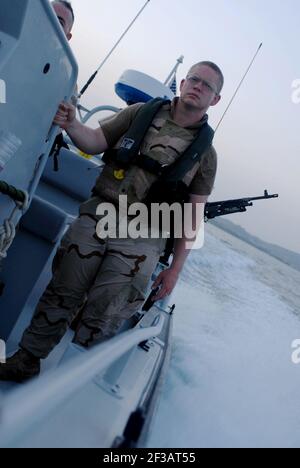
167, 280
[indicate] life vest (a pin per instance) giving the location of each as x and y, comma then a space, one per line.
168, 186
129, 152
135, 165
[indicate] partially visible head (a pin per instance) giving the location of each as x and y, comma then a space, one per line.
202, 86
65, 15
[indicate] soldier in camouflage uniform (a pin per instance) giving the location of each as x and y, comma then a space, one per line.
110, 276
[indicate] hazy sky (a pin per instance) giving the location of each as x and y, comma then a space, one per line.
258, 144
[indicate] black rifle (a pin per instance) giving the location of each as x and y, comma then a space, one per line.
226, 207
215, 209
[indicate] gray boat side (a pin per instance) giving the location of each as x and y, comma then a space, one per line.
100, 398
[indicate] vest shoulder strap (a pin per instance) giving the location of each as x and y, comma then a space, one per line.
177, 171
134, 136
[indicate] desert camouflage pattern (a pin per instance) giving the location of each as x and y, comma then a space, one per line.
105, 280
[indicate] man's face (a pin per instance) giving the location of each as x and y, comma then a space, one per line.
64, 17
200, 89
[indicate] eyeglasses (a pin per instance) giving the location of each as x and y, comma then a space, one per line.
195, 80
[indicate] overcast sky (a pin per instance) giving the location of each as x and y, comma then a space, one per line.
259, 142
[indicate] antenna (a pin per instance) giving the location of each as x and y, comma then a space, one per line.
174, 70
240, 84
112, 50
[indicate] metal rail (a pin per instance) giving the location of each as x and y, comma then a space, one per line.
26, 406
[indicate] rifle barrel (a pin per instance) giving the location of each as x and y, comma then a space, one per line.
265, 197
226, 207
242, 200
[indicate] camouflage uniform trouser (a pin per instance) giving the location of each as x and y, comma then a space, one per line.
108, 278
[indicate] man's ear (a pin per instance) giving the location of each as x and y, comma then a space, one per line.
69, 36
216, 99
181, 84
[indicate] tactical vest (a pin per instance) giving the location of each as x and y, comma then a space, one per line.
128, 155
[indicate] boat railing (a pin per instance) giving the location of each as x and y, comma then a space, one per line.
30, 404
89, 113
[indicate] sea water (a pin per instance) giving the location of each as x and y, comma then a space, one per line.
232, 381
